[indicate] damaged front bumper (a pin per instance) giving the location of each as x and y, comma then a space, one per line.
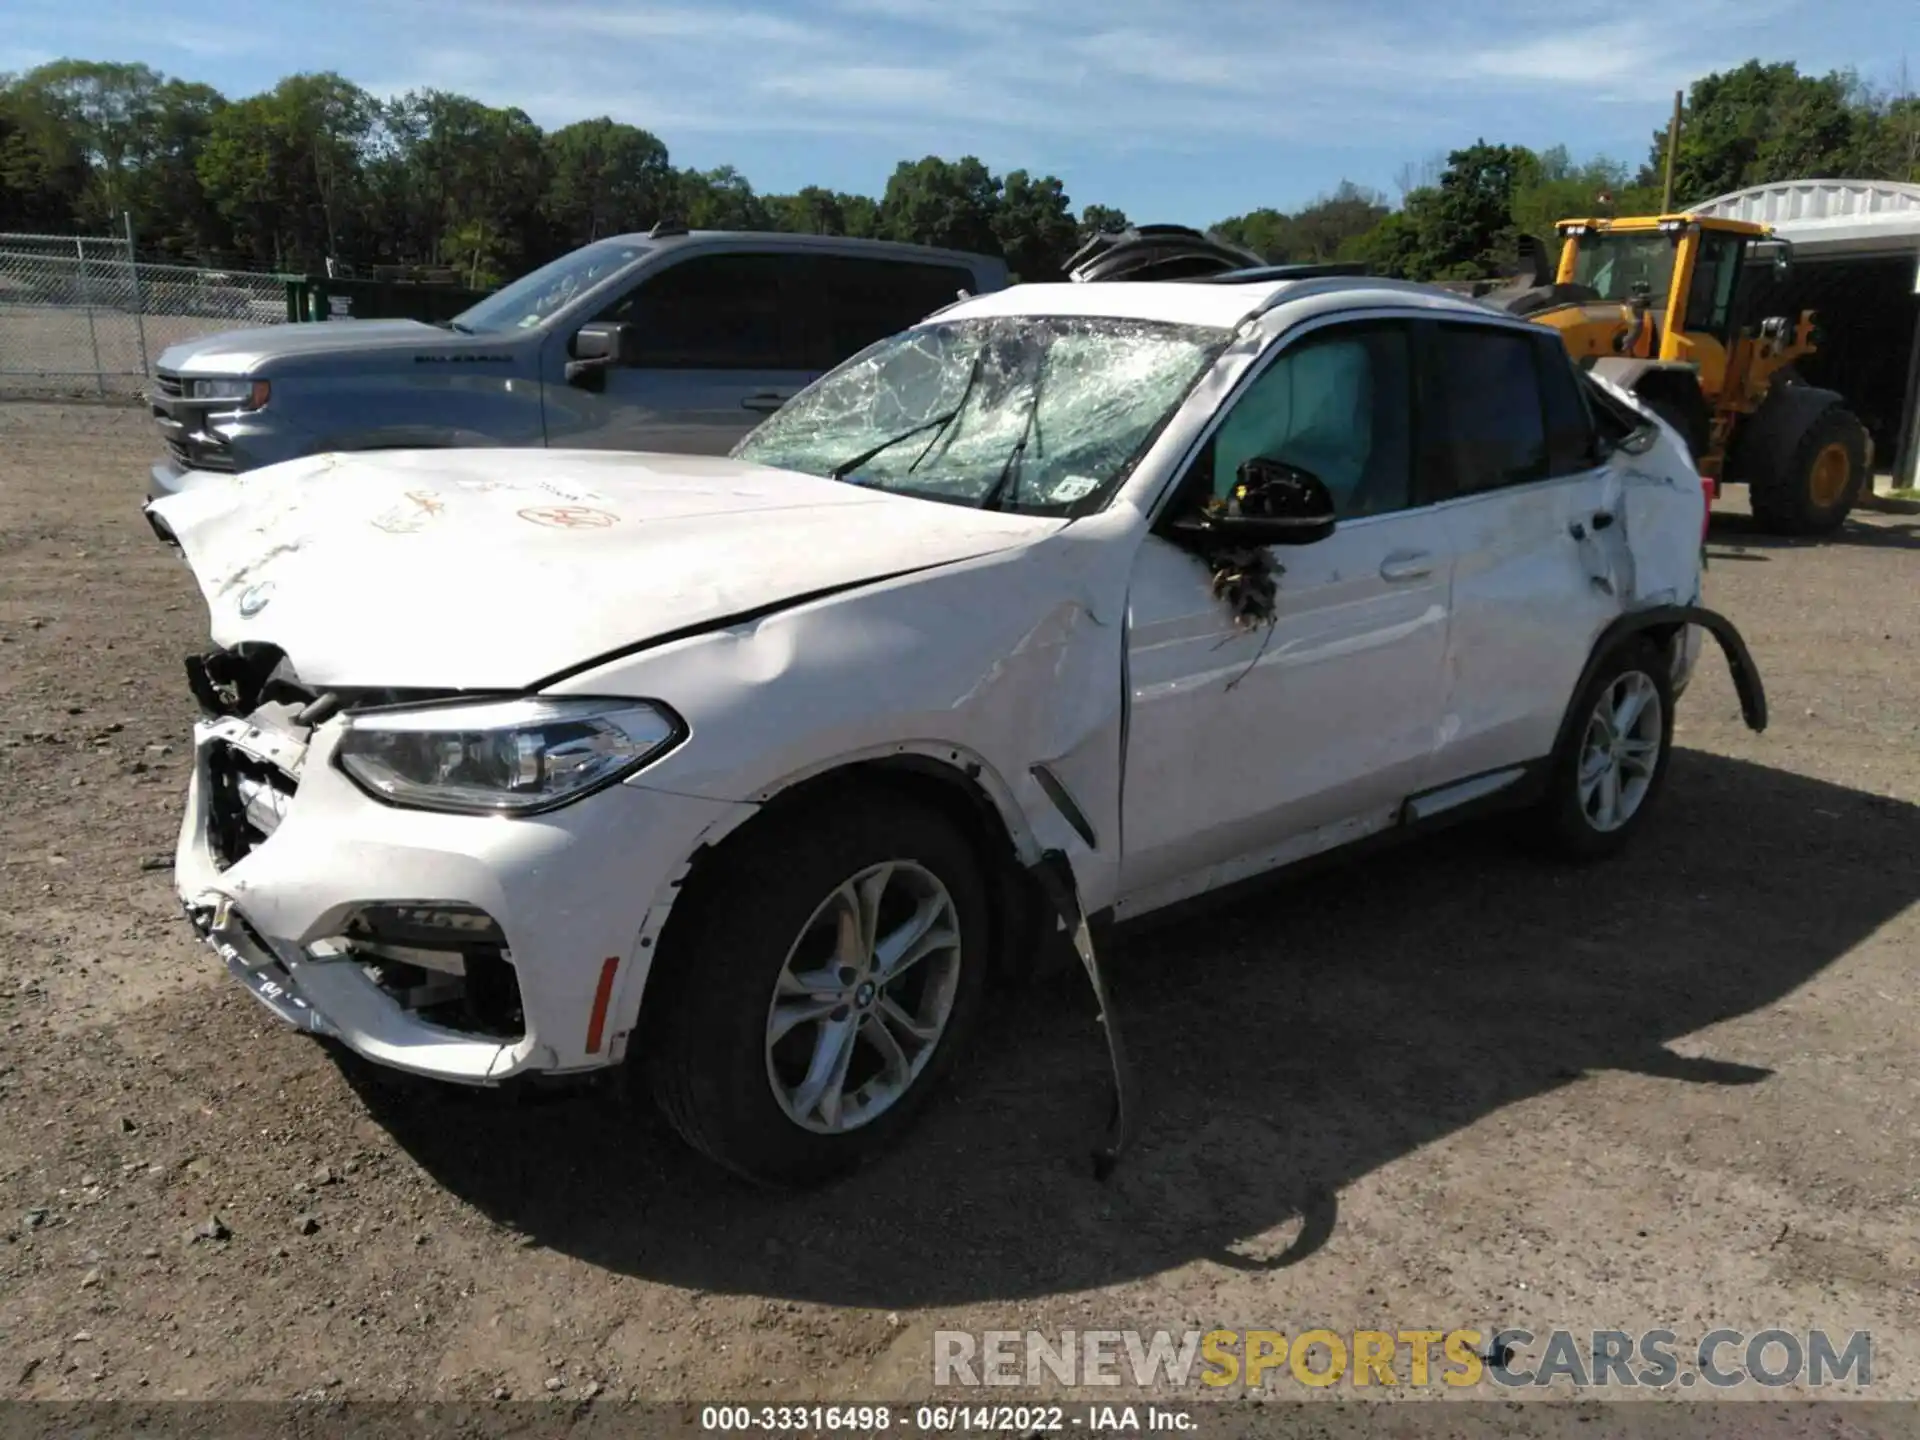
466, 948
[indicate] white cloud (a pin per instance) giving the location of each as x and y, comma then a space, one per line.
1079, 78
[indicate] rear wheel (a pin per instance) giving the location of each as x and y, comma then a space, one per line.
829, 976
1613, 765
1807, 486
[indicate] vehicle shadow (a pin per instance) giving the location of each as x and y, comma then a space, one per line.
1285, 1046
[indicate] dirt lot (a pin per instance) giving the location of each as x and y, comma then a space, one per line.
1450, 1087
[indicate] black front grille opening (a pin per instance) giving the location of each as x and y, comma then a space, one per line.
189, 455
235, 830
446, 963
172, 386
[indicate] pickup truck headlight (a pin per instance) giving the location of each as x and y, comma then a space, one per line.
245, 394
507, 757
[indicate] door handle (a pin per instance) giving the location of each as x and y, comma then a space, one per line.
1600, 520
764, 404
1406, 565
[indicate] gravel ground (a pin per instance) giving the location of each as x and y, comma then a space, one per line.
1447, 1087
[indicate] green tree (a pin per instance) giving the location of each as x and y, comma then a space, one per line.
470, 178
43, 171
285, 169
812, 211
1034, 227
169, 203
605, 178
1757, 124
1323, 227
1392, 248
1101, 220
1268, 233
720, 199
932, 201
110, 113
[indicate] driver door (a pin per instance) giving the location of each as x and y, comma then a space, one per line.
722, 346
1250, 746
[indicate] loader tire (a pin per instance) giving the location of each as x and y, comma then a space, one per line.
1807, 485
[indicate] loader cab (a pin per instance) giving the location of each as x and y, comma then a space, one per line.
1680, 274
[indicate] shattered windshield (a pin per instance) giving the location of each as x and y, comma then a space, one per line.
1030, 412
537, 294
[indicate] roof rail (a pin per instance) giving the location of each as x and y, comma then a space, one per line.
1260, 273
1330, 284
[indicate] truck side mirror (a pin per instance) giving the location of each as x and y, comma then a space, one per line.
598, 347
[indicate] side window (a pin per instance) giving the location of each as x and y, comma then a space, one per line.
860, 300
1340, 404
1716, 270
716, 312
1572, 444
1492, 419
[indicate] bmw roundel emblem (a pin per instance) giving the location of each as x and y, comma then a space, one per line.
254, 600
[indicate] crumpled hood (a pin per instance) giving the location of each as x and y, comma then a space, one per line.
492, 569
240, 352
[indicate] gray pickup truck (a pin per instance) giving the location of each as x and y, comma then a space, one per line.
672, 340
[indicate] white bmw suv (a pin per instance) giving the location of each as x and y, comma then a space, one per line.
1072, 602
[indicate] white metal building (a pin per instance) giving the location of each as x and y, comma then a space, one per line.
1856, 246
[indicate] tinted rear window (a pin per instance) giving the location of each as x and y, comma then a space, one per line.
1490, 415
859, 300
719, 312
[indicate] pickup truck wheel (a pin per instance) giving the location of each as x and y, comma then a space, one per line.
1613, 764
834, 967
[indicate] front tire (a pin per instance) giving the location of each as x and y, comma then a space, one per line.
827, 980
1613, 765
1808, 487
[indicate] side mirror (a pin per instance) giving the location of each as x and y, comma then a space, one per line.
596, 348
1273, 503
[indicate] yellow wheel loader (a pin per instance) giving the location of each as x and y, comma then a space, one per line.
1658, 305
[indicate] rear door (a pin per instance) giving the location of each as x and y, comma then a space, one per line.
1526, 521
722, 345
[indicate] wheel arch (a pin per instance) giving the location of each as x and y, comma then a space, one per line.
1663, 625
949, 779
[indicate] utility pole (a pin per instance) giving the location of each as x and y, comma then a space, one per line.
1673, 153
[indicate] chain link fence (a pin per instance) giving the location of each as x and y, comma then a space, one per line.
80, 316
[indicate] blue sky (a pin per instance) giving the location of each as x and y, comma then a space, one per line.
1173, 111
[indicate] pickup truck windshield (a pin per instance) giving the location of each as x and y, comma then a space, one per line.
1039, 413
536, 295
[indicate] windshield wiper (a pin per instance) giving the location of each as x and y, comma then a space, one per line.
936, 424
459, 329
847, 467
1009, 476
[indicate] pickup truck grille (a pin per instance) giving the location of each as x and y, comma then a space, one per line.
190, 456
183, 427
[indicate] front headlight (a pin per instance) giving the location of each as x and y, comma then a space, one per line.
505, 757
246, 394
